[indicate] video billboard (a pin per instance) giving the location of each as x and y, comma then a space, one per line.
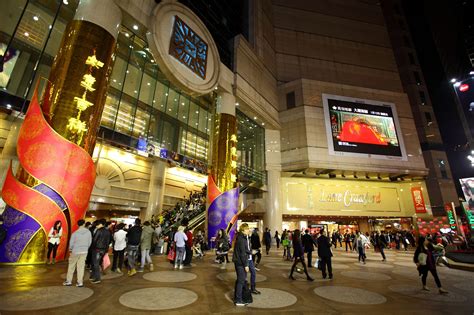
362, 127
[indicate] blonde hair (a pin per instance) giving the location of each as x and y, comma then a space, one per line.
243, 227
180, 228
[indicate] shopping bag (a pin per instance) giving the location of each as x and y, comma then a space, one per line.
105, 262
172, 254
317, 263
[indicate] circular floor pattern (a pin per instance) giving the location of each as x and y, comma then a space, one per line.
43, 298
409, 273
109, 275
381, 265
269, 298
169, 276
362, 275
344, 259
232, 276
405, 264
350, 295
433, 295
157, 299
167, 265
302, 277
467, 286
280, 265
339, 266
20, 271
455, 272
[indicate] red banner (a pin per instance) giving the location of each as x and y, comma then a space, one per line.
418, 201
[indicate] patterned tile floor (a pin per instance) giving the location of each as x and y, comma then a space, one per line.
390, 287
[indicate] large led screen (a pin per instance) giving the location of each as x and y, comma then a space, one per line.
362, 127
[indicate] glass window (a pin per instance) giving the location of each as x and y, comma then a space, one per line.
123, 123
422, 98
183, 109
140, 124
194, 115
168, 139
428, 117
172, 104
110, 111
132, 81
203, 114
442, 168
161, 95
147, 89
417, 77
118, 74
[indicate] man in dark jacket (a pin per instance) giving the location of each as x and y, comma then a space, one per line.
308, 245
325, 254
256, 245
134, 236
99, 247
241, 261
380, 244
267, 240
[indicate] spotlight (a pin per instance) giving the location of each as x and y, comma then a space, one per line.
453, 80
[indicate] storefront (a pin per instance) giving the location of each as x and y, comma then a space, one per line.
350, 205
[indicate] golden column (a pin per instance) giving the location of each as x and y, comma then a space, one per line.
223, 193
55, 144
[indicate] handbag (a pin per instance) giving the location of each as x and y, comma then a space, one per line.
317, 263
172, 254
422, 259
105, 262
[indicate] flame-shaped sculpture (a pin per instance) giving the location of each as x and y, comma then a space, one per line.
222, 212
64, 176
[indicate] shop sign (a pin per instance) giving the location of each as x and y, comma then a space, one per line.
469, 215
418, 201
349, 198
450, 213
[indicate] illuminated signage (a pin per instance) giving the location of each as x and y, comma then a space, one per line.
233, 152
75, 124
463, 87
451, 219
418, 200
362, 127
469, 215
348, 198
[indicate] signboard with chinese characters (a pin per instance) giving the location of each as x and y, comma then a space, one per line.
362, 127
469, 215
418, 201
451, 217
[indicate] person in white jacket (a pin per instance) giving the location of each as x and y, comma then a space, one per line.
79, 246
120, 243
54, 237
360, 242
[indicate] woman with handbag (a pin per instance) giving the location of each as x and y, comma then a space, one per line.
298, 254
425, 262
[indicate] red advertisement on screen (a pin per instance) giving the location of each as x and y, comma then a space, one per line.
418, 201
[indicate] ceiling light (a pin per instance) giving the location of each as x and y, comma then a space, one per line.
36, 18
26, 34
65, 2
135, 27
453, 80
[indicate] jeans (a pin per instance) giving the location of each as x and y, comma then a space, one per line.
310, 258
253, 275
132, 255
287, 252
258, 256
424, 274
118, 259
267, 247
361, 251
326, 261
52, 248
241, 277
348, 243
180, 255
97, 256
382, 253
78, 262
145, 258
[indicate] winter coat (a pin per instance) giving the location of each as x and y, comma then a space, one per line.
146, 237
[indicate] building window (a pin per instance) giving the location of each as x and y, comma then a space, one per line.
428, 117
290, 100
417, 78
442, 168
412, 58
422, 98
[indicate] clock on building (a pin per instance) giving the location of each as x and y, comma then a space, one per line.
188, 48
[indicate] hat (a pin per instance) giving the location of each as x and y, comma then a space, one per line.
180, 228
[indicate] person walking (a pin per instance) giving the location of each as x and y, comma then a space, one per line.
425, 262
360, 242
252, 269
277, 239
308, 245
54, 238
134, 237
145, 245
222, 248
120, 243
180, 239
267, 240
347, 240
325, 254
99, 246
298, 255
241, 260
286, 242
256, 245
380, 244
78, 246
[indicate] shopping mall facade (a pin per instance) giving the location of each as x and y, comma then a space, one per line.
325, 132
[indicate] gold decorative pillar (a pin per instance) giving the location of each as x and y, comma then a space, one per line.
56, 141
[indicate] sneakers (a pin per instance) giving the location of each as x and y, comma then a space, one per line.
140, 270
95, 281
309, 279
425, 288
119, 271
181, 266
151, 267
175, 266
442, 291
132, 272
79, 285
67, 284
255, 291
240, 304
257, 269
54, 261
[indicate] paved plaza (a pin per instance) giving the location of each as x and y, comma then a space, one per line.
391, 287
